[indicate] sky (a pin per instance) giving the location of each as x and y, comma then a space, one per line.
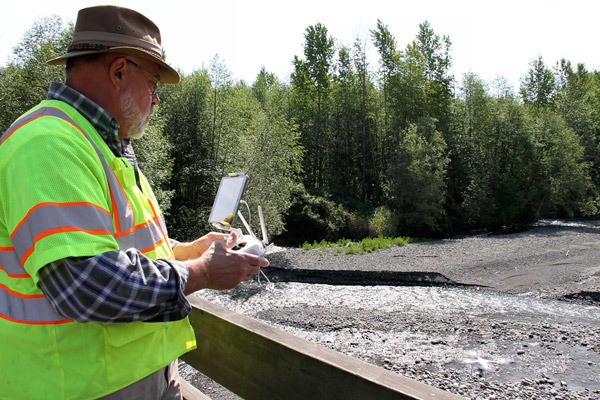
489, 38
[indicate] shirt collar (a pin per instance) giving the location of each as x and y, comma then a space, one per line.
106, 125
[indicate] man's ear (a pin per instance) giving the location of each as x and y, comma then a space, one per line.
118, 72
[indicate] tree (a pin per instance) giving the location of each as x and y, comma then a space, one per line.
538, 87
271, 155
389, 62
264, 83
472, 118
370, 162
493, 162
415, 184
577, 102
437, 62
185, 109
352, 154
26, 78
311, 81
563, 181
153, 152
344, 136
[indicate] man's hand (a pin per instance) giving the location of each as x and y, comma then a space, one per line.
220, 268
195, 249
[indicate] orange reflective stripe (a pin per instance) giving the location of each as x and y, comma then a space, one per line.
46, 219
9, 263
17, 294
120, 203
60, 230
48, 204
20, 321
142, 236
154, 246
33, 309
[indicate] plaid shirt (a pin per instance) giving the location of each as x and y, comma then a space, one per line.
116, 286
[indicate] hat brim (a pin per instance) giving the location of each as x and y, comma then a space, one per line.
167, 73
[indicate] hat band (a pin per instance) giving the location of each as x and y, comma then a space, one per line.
99, 47
115, 40
86, 47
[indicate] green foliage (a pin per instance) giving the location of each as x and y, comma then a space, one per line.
435, 51
578, 103
538, 87
563, 181
311, 81
385, 43
367, 245
269, 152
25, 79
217, 127
383, 223
513, 164
185, 110
346, 152
312, 217
494, 177
153, 152
389, 64
415, 185
352, 153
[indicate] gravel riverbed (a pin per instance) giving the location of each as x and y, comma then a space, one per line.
553, 259
470, 350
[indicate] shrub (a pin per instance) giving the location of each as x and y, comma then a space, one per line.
314, 218
383, 223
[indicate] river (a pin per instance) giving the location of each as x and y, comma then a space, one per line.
476, 343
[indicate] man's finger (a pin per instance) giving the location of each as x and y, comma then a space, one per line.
220, 245
261, 262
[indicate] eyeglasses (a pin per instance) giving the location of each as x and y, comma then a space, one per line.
155, 79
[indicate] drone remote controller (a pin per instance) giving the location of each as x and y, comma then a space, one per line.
249, 243
226, 208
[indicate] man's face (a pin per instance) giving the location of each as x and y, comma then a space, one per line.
135, 118
137, 103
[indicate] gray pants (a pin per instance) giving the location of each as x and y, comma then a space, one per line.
161, 385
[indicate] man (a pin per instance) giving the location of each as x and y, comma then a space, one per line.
92, 295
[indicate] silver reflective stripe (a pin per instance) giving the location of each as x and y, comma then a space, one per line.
48, 218
29, 309
163, 225
143, 238
9, 262
127, 235
122, 208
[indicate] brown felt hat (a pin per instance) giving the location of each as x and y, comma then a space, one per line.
111, 29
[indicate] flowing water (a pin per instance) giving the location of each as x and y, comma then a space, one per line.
444, 332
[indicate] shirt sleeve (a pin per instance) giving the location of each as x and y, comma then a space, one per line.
117, 286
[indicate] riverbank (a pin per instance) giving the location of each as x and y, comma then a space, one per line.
456, 345
553, 259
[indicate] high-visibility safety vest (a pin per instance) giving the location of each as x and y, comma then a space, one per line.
63, 193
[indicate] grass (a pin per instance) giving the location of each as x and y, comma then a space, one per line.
368, 245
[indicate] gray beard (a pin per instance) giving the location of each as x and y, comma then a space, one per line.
133, 117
